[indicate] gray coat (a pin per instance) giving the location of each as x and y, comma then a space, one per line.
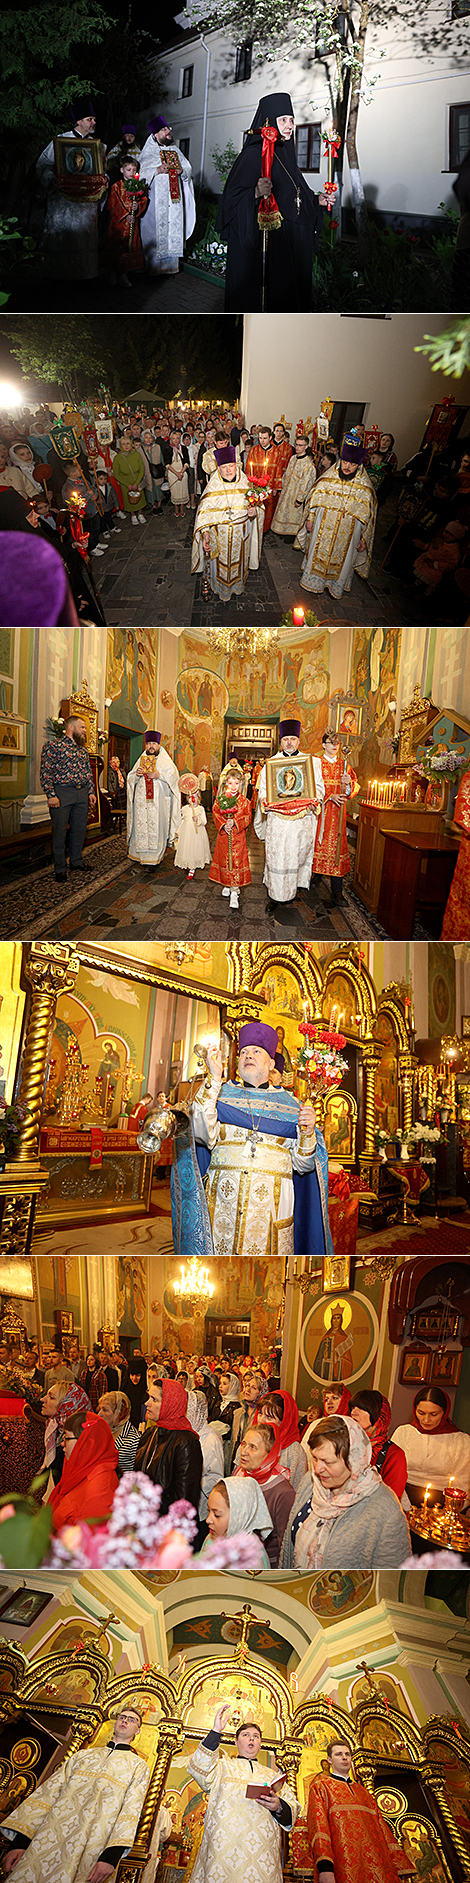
373, 1534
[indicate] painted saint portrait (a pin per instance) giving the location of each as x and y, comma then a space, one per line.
339, 1338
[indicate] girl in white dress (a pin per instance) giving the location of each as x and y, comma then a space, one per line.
192, 848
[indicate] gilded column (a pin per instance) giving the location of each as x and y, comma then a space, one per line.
406, 1071
438, 1787
371, 1057
171, 1739
51, 969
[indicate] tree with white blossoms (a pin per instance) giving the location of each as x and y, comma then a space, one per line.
338, 33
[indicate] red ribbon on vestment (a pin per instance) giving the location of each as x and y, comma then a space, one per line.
269, 216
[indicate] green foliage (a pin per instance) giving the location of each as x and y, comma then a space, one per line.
163, 354
38, 53
402, 273
10, 255
449, 351
223, 160
25, 1536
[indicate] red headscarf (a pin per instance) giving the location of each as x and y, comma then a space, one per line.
345, 1401
380, 1430
94, 1446
288, 1431
445, 1422
271, 1467
172, 1417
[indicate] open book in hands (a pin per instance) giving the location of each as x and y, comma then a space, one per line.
271, 1785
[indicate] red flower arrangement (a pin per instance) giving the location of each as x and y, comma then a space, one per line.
320, 1056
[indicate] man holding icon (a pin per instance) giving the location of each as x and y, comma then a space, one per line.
249, 1804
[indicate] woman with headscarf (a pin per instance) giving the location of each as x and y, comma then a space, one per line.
89, 1478
211, 1446
372, 1411
336, 1399
260, 1452
345, 1518
237, 1504
169, 1451
434, 1448
229, 1388
115, 1408
22, 457
135, 1384
280, 1411
269, 217
62, 1401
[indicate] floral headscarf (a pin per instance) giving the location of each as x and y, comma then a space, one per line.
313, 1521
75, 1400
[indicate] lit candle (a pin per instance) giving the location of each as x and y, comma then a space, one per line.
298, 617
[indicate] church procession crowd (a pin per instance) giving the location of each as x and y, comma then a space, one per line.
126, 463
326, 1486
120, 212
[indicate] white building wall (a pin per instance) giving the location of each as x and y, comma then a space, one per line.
403, 132
345, 358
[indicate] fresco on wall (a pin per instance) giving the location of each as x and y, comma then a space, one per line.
130, 677
441, 990
252, 1287
373, 680
339, 1338
335, 1593
294, 677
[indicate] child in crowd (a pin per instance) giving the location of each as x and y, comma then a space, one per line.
232, 814
192, 844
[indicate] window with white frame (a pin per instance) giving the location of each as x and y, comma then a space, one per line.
459, 139
308, 146
184, 146
187, 75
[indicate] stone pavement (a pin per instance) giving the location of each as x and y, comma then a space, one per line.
174, 294
162, 905
145, 581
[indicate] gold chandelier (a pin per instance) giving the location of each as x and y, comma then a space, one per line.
245, 642
194, 1287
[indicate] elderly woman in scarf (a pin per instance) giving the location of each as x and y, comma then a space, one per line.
61, 1402
434, 1448
346, 1518
237, 1504
211, 1446
169, 1451
89, 1478
372, 1411
279, 1410
260, 1454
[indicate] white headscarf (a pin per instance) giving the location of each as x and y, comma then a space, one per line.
28, 471
325, 1506
233, 1390
197, 1410
248, 1507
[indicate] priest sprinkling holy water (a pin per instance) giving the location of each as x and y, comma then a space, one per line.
269, 217
249, 1804
77, 1825
260, 1183
350, 1839
153, 803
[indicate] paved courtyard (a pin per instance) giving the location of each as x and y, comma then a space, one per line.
145, 581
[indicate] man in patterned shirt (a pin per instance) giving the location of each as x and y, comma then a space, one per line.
67, 779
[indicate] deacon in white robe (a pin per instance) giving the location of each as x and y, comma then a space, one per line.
86, 1814
153, 803
70, 243
242, 1834
289, 836
171, 215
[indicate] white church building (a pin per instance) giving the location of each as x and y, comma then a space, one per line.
414, 117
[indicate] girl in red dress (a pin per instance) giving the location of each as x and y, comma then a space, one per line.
127, 202
232, 814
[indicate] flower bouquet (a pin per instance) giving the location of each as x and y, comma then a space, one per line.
135, 1536
320, 1060
12, 1117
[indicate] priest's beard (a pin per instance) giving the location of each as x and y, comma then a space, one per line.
347, 477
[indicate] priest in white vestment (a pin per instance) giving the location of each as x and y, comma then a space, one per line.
242, 1834
289, 836
228, 528
77, 1825
171, 215
153, 803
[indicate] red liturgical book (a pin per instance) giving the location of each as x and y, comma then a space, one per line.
272, 1784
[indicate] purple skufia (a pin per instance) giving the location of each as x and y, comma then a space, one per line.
153, 738
257, 1033
35, 592
225, 455
158, 124
289, 728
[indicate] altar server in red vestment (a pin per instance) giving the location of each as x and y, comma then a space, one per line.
349, 1837
456, 924
127, 202
331, 854
261, 468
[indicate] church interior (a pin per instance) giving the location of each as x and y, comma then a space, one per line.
399, 699
103, 1050
381, 1660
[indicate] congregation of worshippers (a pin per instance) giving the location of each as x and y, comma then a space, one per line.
74, 479
339, 1475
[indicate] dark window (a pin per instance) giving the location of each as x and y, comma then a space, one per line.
343, 418
459, 134
184, 146
460, 9
188, 75
308, 146
243, 61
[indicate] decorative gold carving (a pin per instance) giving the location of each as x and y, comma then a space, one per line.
51, 969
